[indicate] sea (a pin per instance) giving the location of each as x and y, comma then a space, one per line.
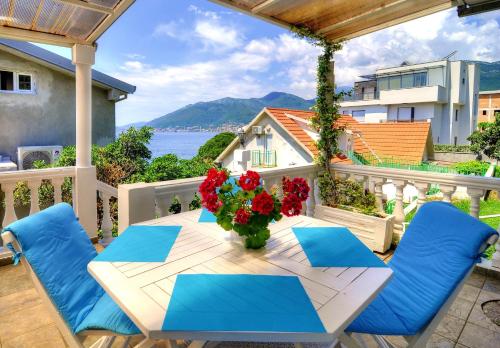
183, 144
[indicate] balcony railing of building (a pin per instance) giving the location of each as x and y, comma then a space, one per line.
26, 192
361, 96
263, 159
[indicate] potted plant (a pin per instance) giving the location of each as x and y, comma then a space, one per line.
346, 202
245, 207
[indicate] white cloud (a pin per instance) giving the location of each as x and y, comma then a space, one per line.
135, 56
252, 68
172, 29
216, 36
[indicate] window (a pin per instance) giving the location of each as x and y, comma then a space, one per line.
383, 83
15, 82
395, 82
420, 79
24, 82
406, 114
463, 80
407, 81
484, 112
456, 115
358, 115
455, 141
345, 112
6, 80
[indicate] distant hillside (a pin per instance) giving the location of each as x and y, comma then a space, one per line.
227, 111
490, 76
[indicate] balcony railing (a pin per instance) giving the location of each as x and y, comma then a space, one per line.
361, 96
148, 201
42, 188
263, 159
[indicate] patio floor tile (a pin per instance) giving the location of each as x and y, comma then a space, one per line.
476, 279
438, 341
492, 284
20, 322
469, 293
474, 336
478, 317
450, 327
44, 337
19, 300
461, 308
18, 281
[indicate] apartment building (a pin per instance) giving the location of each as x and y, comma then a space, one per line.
443, 92
489, 104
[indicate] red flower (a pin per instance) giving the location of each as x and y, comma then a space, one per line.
214, 179
207, 187
291, 205
241, 216
211, 202
263, 203
249, 181
297, 186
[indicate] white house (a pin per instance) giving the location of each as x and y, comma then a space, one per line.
444, 92
283, 138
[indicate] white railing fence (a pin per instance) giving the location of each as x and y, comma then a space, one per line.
26, 192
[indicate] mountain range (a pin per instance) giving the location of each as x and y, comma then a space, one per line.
238, 111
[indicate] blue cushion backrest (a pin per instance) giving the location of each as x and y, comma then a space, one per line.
58, 250
436, 252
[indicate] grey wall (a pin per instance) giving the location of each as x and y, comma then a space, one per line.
48, 116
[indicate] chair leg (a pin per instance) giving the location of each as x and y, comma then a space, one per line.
382, 342
348, 341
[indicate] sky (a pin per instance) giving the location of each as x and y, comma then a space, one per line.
180, 52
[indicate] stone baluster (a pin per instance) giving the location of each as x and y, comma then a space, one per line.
422, 189
35, 202
495, 262
310, 203
185, 199
317, 197
106, 223
399, 215
377, 184
10, 213
475, 199
447, 191
163, 204
57, 183
361, 180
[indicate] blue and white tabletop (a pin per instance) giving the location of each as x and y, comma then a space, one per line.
181, 278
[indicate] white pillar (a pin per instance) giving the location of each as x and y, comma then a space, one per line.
399, 215
85, 194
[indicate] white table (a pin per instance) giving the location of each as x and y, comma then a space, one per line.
143, 290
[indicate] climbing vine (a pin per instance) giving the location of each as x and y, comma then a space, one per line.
327, 100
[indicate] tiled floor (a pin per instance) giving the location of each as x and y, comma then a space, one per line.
25, 322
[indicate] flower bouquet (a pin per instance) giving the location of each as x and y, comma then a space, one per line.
244, 206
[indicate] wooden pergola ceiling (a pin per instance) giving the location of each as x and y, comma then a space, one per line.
59, 22
338, 19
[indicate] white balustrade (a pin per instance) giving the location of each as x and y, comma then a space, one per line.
106, 192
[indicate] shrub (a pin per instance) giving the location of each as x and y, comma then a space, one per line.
487, 138
452, 148
214, 146
339, 193
472, 167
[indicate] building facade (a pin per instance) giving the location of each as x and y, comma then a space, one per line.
37, 100
489, 104
444, 93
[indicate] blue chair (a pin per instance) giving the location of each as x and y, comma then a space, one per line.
431, 263
56, 250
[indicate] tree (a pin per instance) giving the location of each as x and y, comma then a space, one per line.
486, 139
214, 146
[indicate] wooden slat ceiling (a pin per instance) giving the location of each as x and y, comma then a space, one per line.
62, 22
338, 19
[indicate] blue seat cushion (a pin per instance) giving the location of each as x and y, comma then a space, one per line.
106, 315
59, 250
436, 252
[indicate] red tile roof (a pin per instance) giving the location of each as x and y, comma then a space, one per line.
405, 142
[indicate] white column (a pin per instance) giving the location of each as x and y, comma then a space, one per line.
85, 194
475, 200
379, 195
447, 192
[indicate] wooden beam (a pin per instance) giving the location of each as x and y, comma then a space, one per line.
246, 10
339, 35
262, 6
119, 9
359, 17
37, 14
88, 6
36, 36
